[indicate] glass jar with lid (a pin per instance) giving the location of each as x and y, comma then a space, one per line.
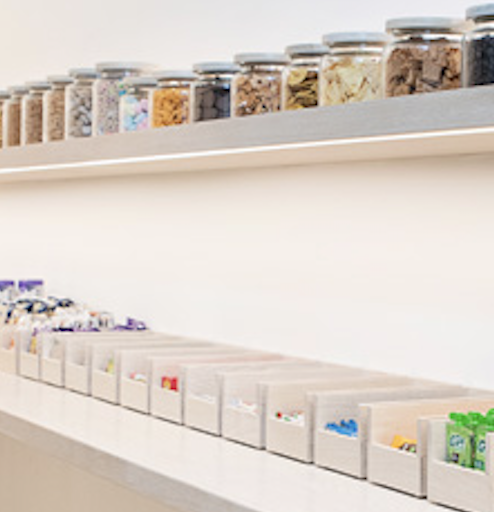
134, 104
107, 91
4, 96
211, 92
12, 114
425, 55
301, 77
479, 46
257, 88
32, 113
353, 69
79, 103
54, 109
171, 98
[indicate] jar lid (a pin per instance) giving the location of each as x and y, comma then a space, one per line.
124, 66
4, 95
480, 11
216, 67
38, 86
83, 73
261, 58
306, 50
143, 81
175, 74
454, 25
60, 79
18, 89
342, 38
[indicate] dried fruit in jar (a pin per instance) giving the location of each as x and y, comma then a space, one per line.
170, 106
301, 89
257, 93
348, 80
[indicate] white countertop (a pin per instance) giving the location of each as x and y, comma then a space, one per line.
176, 466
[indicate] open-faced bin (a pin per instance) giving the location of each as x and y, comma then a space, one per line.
347, 454
244, 397
28, 349
400, 469
136, 370
290, 409
106, 363
9, 349
457, 487
203, 392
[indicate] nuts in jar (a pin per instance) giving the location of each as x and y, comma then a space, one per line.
257, 88
54, 109
32, 113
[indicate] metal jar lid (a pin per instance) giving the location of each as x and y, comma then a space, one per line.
137, 67
18, 90
89, 73
480, 12
216, 67
140, 81
356, 38
60, 79
4, 95
176, 75
38, 86
433, 24
278, 59
306, 50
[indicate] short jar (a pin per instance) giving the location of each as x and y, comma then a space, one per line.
32, 113
353, 69
478, 58
211, 92
257, 88
12, 115
107, 91
171, 98
79, 103
54, 108
134, 104
301, 77
4, 96
425, 55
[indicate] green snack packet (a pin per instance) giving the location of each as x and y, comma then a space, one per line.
481, 442
460, 439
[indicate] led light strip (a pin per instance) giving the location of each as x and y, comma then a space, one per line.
253, 149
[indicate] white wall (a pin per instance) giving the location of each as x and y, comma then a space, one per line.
49, 36
388, 266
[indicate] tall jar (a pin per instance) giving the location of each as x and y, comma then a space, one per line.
353, 69
12, 115
107, 91
257, 88
32, 113
301, 77
211, 92
54, 109
134, 104
171, 99
478, 59
424, 56
4, 96
79, 103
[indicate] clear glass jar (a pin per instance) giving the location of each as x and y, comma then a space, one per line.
424, 55
12, 114
107, 91
353, 69
54, 109
79, 103
32, 113
134, 104
171, 99
301, 77
257, 88
211, 92
478, 59
4, 96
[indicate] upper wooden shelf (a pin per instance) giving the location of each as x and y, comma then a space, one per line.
449, 123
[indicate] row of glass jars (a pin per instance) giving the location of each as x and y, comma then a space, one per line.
425, 54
